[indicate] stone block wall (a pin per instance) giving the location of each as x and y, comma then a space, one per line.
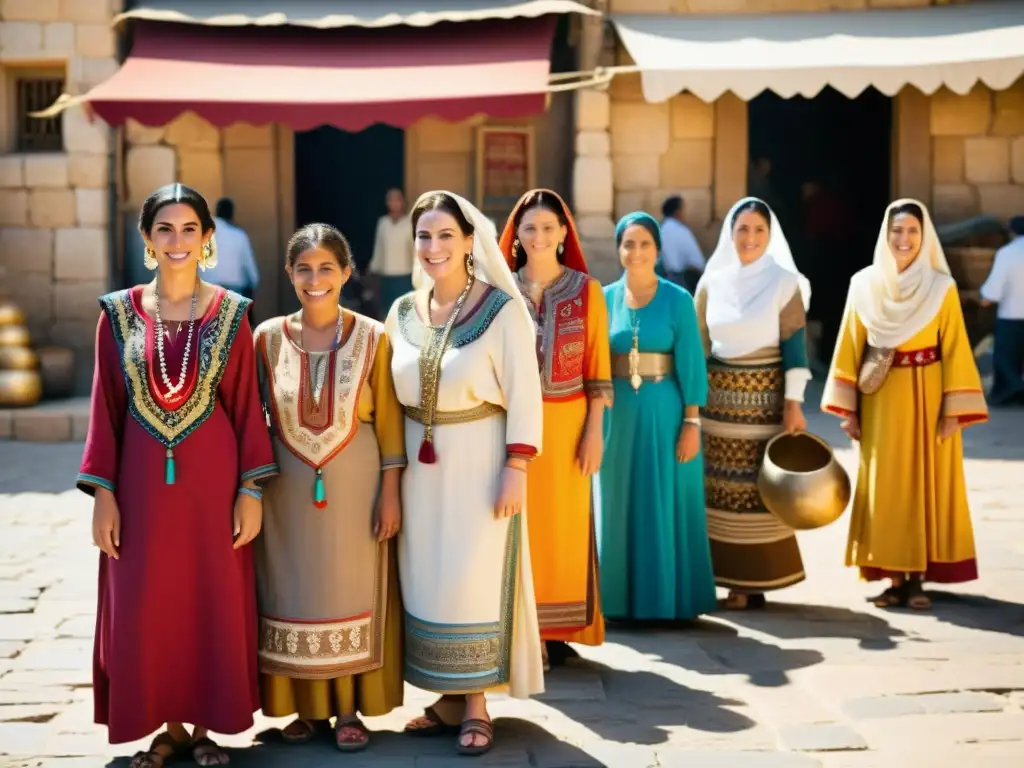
55, 208
240, 161
978, 153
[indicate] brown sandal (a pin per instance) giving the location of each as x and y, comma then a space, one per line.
438, 727
355, 724
476, 727
153, 759
893, 597
310, 730
917, 600
212, 748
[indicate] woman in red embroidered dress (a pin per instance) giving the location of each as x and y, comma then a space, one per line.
543, 251
177, 444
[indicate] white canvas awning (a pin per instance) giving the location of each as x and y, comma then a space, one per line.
799, 54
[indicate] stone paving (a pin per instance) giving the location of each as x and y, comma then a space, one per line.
821, 679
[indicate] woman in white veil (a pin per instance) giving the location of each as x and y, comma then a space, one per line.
465, 370
751, 304
904, 381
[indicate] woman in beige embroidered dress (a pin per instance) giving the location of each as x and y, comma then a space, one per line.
330, 610
465, 369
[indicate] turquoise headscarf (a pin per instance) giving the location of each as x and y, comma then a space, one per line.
645, 220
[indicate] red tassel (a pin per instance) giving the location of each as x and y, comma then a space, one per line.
320, 504
427, 455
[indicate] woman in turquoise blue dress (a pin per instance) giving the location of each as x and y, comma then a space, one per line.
654, 553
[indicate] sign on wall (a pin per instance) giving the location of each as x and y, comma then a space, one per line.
505, 168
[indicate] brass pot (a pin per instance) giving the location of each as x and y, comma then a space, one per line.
20, 389
10, 313
14, 336
801, 483
18, 359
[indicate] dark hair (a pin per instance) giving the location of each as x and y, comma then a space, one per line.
171, 195
544, 201
672, 206
319, 236
752, 206
1017, 225
911, 209
442, 201
225, 209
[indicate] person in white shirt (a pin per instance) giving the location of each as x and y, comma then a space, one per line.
393, 253
1005, 287
681, 256
236, 267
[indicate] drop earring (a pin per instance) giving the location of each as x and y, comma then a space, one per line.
149, 258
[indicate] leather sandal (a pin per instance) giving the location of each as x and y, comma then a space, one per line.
354, 723
476, 727
893, 597
153, 759
917, 600
438, 726
310, 729
211, 747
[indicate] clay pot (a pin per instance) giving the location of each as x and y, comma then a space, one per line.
10, 313
57, 368
14, 336
20, 389
18, 359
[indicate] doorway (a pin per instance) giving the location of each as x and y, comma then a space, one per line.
824, 165
341, 179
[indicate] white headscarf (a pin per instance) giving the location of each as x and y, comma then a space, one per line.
744, 300
894, 306
488, 261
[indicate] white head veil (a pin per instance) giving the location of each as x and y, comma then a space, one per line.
778, 251
894, 306
488, 261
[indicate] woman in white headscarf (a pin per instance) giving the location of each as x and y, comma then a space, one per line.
903, 380
465, 370
751, 305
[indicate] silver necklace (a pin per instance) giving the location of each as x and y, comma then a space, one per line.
174, 389
319, 360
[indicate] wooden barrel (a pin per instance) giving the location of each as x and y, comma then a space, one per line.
970, 265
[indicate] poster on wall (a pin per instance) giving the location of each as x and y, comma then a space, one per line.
504, 168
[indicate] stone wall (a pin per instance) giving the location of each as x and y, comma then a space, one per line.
762, 6
239, 161
55, 242
978, 153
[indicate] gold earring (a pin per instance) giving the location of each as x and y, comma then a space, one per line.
149, 258
515, 245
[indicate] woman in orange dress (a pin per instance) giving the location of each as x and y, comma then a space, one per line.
571, 319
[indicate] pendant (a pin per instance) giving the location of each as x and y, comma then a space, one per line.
635, 379
319, 495
169, 468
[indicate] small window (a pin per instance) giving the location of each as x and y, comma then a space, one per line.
33, 134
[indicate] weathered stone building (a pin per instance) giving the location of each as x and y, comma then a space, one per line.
68, 202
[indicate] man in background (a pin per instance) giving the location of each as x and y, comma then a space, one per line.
236, 267
393, 253
681, 256
1005, 287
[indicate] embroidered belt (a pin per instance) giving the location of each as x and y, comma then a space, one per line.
653, 366
916, 358
482, 411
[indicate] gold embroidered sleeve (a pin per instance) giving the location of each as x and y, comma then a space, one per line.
388, 418
962, 395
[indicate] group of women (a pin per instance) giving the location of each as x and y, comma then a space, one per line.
303, 517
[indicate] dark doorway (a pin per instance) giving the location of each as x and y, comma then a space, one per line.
341, 179
828, 179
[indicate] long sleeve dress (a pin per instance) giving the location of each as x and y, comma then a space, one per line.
910, 511
655, 560
752, 550
470, 612
330, 637
575, 365
176, 615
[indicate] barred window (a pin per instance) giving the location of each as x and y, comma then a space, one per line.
33, 134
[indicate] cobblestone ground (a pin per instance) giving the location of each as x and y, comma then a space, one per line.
821, 679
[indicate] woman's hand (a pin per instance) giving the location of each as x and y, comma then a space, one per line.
793, 420
948, 426
688, 444
851, 426
389, 511
513, 492
106, 523
590, 450
248, 519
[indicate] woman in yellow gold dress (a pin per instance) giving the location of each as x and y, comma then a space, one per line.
903, 380
330, 632
543, 251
